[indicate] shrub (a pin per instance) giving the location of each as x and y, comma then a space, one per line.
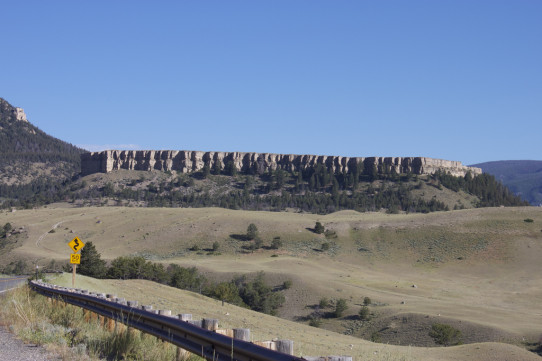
364, 313
276, 243
367, 301
528, 220
287, 284
340, 307
315, 321
445, 334
260, 297
325, 246
258, 243
216, 246
330, 234
324, 303
194, 248
375, 337
318, 228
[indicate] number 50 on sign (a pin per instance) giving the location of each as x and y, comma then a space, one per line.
75, 258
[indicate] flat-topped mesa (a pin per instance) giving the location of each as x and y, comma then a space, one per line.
258, 163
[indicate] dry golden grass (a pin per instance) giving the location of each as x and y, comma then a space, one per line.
308, 341
480, 266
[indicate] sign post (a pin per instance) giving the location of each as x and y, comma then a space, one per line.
76, 245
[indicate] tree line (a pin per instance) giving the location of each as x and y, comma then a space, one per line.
255, 293
315, 190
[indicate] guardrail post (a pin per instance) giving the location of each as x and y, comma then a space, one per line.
267, 344
182, 354
241, 334
210, 324
86, 315
285, 346
198, 323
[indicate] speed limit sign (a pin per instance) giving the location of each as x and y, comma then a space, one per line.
75, 258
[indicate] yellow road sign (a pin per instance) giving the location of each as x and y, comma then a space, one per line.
75, 258
76, 244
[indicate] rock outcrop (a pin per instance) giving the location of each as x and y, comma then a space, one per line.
20, 115
193, 161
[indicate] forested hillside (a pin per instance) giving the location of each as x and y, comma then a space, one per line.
317, 191
523, 177
31, 161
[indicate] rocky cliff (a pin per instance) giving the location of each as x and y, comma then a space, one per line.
192, 161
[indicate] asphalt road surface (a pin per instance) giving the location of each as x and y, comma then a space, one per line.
11, 282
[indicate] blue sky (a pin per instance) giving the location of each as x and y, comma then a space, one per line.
457, 80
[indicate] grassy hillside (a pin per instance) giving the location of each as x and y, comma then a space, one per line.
476, 269
308, 341
523, 177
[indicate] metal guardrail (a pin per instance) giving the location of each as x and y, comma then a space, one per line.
207, 344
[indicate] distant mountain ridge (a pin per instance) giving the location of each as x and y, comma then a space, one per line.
523, 177
38, 169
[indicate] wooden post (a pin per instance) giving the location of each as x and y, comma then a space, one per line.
182, 354
272, 345
198, 323
210, 324
110, 324
285, 346
241, 334
73, 276
86, 314
226, 332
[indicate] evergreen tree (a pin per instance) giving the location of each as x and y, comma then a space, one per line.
91, 263
340, 307
217, 167
230, 168
319, 228
252, 231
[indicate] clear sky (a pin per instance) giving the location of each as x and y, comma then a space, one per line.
458, 80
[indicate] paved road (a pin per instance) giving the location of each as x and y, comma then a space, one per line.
11, 282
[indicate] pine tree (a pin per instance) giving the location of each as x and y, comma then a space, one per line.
252, 231
91, 263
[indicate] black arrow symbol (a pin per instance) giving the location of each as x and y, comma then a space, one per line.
76, 245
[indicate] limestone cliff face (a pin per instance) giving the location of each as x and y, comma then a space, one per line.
193, 161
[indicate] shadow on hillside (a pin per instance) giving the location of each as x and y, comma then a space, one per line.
239, 237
